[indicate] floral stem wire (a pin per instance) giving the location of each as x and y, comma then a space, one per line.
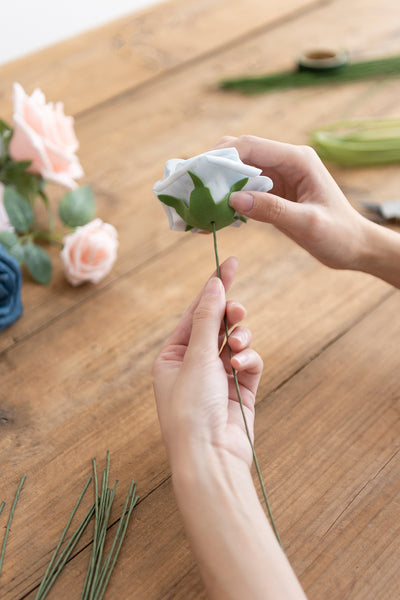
264, 493
3, 548
56, 564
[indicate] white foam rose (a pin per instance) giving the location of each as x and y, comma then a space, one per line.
89, 252
218, 169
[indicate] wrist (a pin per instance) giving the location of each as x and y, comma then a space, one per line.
197, 464
234, 545
223, 519
380, 253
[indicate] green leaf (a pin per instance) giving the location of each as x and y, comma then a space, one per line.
4, 127
5, 137
38, 263
203, 211
238, 185
77, 207
11, 243
18, 209
27, 184
177, 204
197, 182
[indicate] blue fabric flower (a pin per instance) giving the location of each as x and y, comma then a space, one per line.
10, 289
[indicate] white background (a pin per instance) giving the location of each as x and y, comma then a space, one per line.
28, 25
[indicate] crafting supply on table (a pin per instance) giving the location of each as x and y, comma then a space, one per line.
311, 70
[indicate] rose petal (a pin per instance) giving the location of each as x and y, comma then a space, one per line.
44, 135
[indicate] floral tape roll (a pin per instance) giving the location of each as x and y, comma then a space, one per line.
322, 60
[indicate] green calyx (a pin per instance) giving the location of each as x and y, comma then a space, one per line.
203, 211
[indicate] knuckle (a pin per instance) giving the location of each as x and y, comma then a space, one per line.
273, 210
204, 311
308, 153
246, 139
225, 139
317, 225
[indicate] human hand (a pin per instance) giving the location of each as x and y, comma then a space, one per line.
195, 392
307, 204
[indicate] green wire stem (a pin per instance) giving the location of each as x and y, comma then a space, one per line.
53, 567
10, 518
101, 567
64, 556
239, 395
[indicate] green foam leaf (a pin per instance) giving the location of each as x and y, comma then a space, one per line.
77, 207
11, 243
203, 211
18, 209
38, 263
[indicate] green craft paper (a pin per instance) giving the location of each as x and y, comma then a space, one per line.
203, 211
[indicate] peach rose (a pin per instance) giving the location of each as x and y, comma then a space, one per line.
89, 252
45, 136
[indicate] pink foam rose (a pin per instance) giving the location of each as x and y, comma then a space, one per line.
5, 224
89, 252
45, 136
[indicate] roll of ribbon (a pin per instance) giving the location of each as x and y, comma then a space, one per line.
322, 60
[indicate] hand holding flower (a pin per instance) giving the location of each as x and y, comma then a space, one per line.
202, 426
194, 387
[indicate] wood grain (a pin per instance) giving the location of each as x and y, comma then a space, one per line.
75, 370
333, 480
101, 64
139, 124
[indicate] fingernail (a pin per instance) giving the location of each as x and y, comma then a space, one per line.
240, 360
241, 201
239, 336
213, 287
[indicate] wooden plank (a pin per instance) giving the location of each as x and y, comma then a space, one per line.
107, 61
133, 139
328, 442
83, 385
77, 380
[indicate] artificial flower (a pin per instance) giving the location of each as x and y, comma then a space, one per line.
5, 224
212, 176
44, 135
89, 252
10, 289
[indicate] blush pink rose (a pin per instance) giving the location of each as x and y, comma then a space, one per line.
89, 252
45, 136
5, 224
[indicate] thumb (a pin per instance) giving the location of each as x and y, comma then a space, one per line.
261, 206
207, 321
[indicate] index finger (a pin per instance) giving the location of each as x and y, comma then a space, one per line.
264, 153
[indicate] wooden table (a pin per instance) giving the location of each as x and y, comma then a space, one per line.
75, 369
